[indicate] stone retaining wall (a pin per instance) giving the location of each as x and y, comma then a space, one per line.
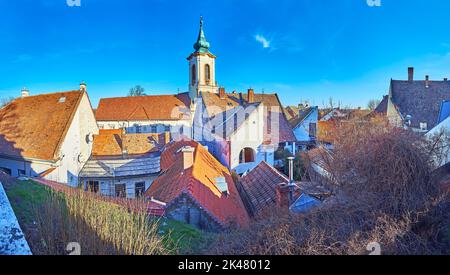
12, 240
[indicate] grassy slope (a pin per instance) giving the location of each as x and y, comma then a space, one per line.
26, 195
186, 238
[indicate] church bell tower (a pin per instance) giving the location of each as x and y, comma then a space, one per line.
202, 72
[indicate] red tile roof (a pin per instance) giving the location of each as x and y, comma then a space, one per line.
258, 187
198, 182
160, 107
169, 155
35, 126
113, 142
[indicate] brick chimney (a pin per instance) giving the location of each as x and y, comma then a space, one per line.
25, 92
411, 74
222, 93
427, 81
445, 79
83, 86
251, 96
188, 157
282, 198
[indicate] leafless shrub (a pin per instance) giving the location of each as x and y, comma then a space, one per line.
385, 192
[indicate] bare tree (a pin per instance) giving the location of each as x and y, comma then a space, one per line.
384, 191
5, 101
373, 104
136, 91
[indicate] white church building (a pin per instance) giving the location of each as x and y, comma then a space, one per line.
239, 129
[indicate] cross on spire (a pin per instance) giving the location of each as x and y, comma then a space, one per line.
201, 45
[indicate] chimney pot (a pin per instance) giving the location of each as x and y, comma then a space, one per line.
83, 86
25, 92
427, 81
222, 93
251, 96
445, 79
291, 169
411, 74
188, 157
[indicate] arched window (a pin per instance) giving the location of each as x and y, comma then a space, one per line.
207, 73
193, 75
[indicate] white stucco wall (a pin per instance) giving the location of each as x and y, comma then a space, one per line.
147, 125
200, 62
32, 168
249, 135
76, 148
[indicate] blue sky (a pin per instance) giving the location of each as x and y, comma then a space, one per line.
302, 49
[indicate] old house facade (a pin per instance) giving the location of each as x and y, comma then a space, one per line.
414, 103
146, 114
240, 129
305, 126
197, 189
441, 133
48, 135
123, 165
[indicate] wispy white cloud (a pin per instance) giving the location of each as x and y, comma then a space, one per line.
264, 41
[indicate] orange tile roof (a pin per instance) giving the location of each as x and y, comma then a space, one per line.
160, 107
113, 142
35, 126
198, 182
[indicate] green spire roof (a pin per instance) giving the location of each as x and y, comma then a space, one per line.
201, 46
